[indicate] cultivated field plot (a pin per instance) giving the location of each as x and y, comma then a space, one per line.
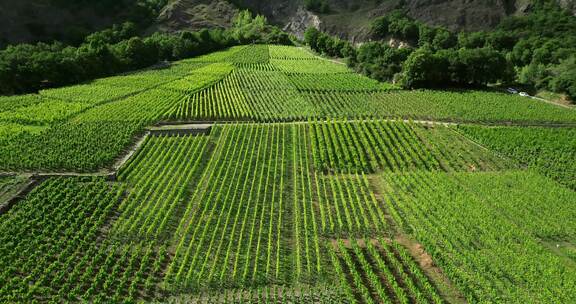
308, 184
550, 151
245, 83
500, 237
300, 86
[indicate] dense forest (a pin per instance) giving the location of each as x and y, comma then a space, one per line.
30, 67
537, 51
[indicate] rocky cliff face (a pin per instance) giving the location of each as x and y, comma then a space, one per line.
301, 21
34, 20
195, 14
351, 18
569, 5
459, 14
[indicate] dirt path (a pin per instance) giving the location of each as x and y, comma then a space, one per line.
18, 194
418, 121
448, 291
553, 103
321, 57
181, 129
121, 161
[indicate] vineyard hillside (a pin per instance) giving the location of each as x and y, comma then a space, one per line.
268, 174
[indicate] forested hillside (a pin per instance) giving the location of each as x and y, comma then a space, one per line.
535, 52
69, 21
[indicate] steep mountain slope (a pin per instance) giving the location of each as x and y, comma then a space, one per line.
351, 18
23, 21
195, 14
69, 21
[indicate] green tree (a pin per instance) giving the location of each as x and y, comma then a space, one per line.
311, 37
483, 66
248, 29
423, 69
564, 77
444, 39
471, 40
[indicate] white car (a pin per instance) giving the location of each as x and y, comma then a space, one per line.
524, 94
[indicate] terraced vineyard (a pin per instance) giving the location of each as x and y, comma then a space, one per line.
276, 176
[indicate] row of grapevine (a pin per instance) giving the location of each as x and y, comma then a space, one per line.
46, 112
93, 94
257, 67
144, 108
287, 105
267, 294
335, 82
232, 233
347, 206
550, 151
219, 56
367, 146
510, 191
272, 97
221, 101
254, 54
259, 80
308, 256
50, 233
152, 77
78, 146
251, 92
471, 106
309, 67
372, 271
200, 78
457, 153
338, 104
484, 235
157, 175
290, 53
17, 101
373, 145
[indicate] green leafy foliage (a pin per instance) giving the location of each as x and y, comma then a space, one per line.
464, 221
310, 207
381, 273
538, 46
371, 146
27, 68
550, 151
